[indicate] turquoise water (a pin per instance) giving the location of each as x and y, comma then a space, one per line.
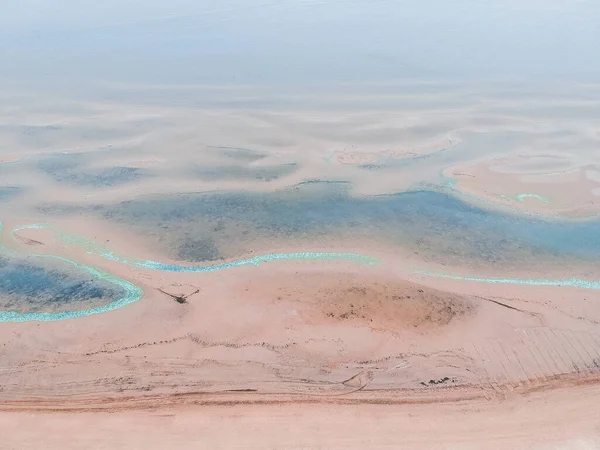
572, 282
131, 294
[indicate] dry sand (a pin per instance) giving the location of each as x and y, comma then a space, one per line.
532, 423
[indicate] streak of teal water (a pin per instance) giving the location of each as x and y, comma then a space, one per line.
104, 252
572, 282
255, 261
522, 197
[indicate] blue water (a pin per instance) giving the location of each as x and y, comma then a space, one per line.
30, 291
438, 226
9, 192
243, 172
31, 286
48, 288
71, 169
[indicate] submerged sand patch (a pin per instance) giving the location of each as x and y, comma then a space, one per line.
542, 184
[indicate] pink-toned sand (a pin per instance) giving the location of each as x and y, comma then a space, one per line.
301, 354
307, 354
565, 418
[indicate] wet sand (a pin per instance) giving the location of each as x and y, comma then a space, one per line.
307, 278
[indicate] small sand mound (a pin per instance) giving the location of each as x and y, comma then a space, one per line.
396, 304
378, 302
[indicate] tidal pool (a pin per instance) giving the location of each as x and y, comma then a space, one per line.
32, 289
30, 285
46, 288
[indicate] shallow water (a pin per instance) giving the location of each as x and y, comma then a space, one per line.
209, 172
48, 287
439, 226
8, 192
71, 169
29, 285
